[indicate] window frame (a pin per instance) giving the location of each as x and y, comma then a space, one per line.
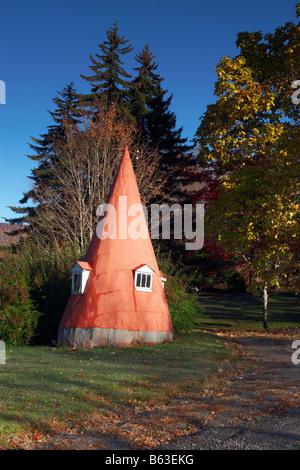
143, 273
76, 282
79, 278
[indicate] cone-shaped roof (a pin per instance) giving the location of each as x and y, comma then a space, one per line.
110, 299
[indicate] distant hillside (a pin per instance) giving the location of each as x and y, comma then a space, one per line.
6, 239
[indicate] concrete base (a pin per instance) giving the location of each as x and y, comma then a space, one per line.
98, 337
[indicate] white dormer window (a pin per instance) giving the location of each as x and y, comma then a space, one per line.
80, 274
163, 278
143, 278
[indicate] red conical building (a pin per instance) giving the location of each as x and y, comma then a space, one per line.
118, 293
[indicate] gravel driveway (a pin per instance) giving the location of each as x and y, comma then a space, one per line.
260, 409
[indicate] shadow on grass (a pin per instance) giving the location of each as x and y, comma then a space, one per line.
227, 309
39, 383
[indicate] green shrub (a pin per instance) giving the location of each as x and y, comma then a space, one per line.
185, 308
50, 286
18, 314
18, 323
35, 287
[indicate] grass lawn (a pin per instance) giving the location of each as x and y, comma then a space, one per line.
245, 311
41, 386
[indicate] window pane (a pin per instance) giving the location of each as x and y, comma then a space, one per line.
143, 281
77, 282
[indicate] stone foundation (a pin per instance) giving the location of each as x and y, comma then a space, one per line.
98, 337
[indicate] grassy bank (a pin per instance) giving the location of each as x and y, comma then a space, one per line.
40, 386
245, 311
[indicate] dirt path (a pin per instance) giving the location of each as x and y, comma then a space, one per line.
259, 408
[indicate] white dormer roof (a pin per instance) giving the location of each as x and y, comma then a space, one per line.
144, 268
80, 266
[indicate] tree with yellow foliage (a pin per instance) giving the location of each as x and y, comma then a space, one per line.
250, 139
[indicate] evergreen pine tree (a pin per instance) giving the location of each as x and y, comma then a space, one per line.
143, 87
109, 82
151, 108
67, 111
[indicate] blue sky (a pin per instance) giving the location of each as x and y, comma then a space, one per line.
46, 44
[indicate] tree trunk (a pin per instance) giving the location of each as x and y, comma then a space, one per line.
265, 307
